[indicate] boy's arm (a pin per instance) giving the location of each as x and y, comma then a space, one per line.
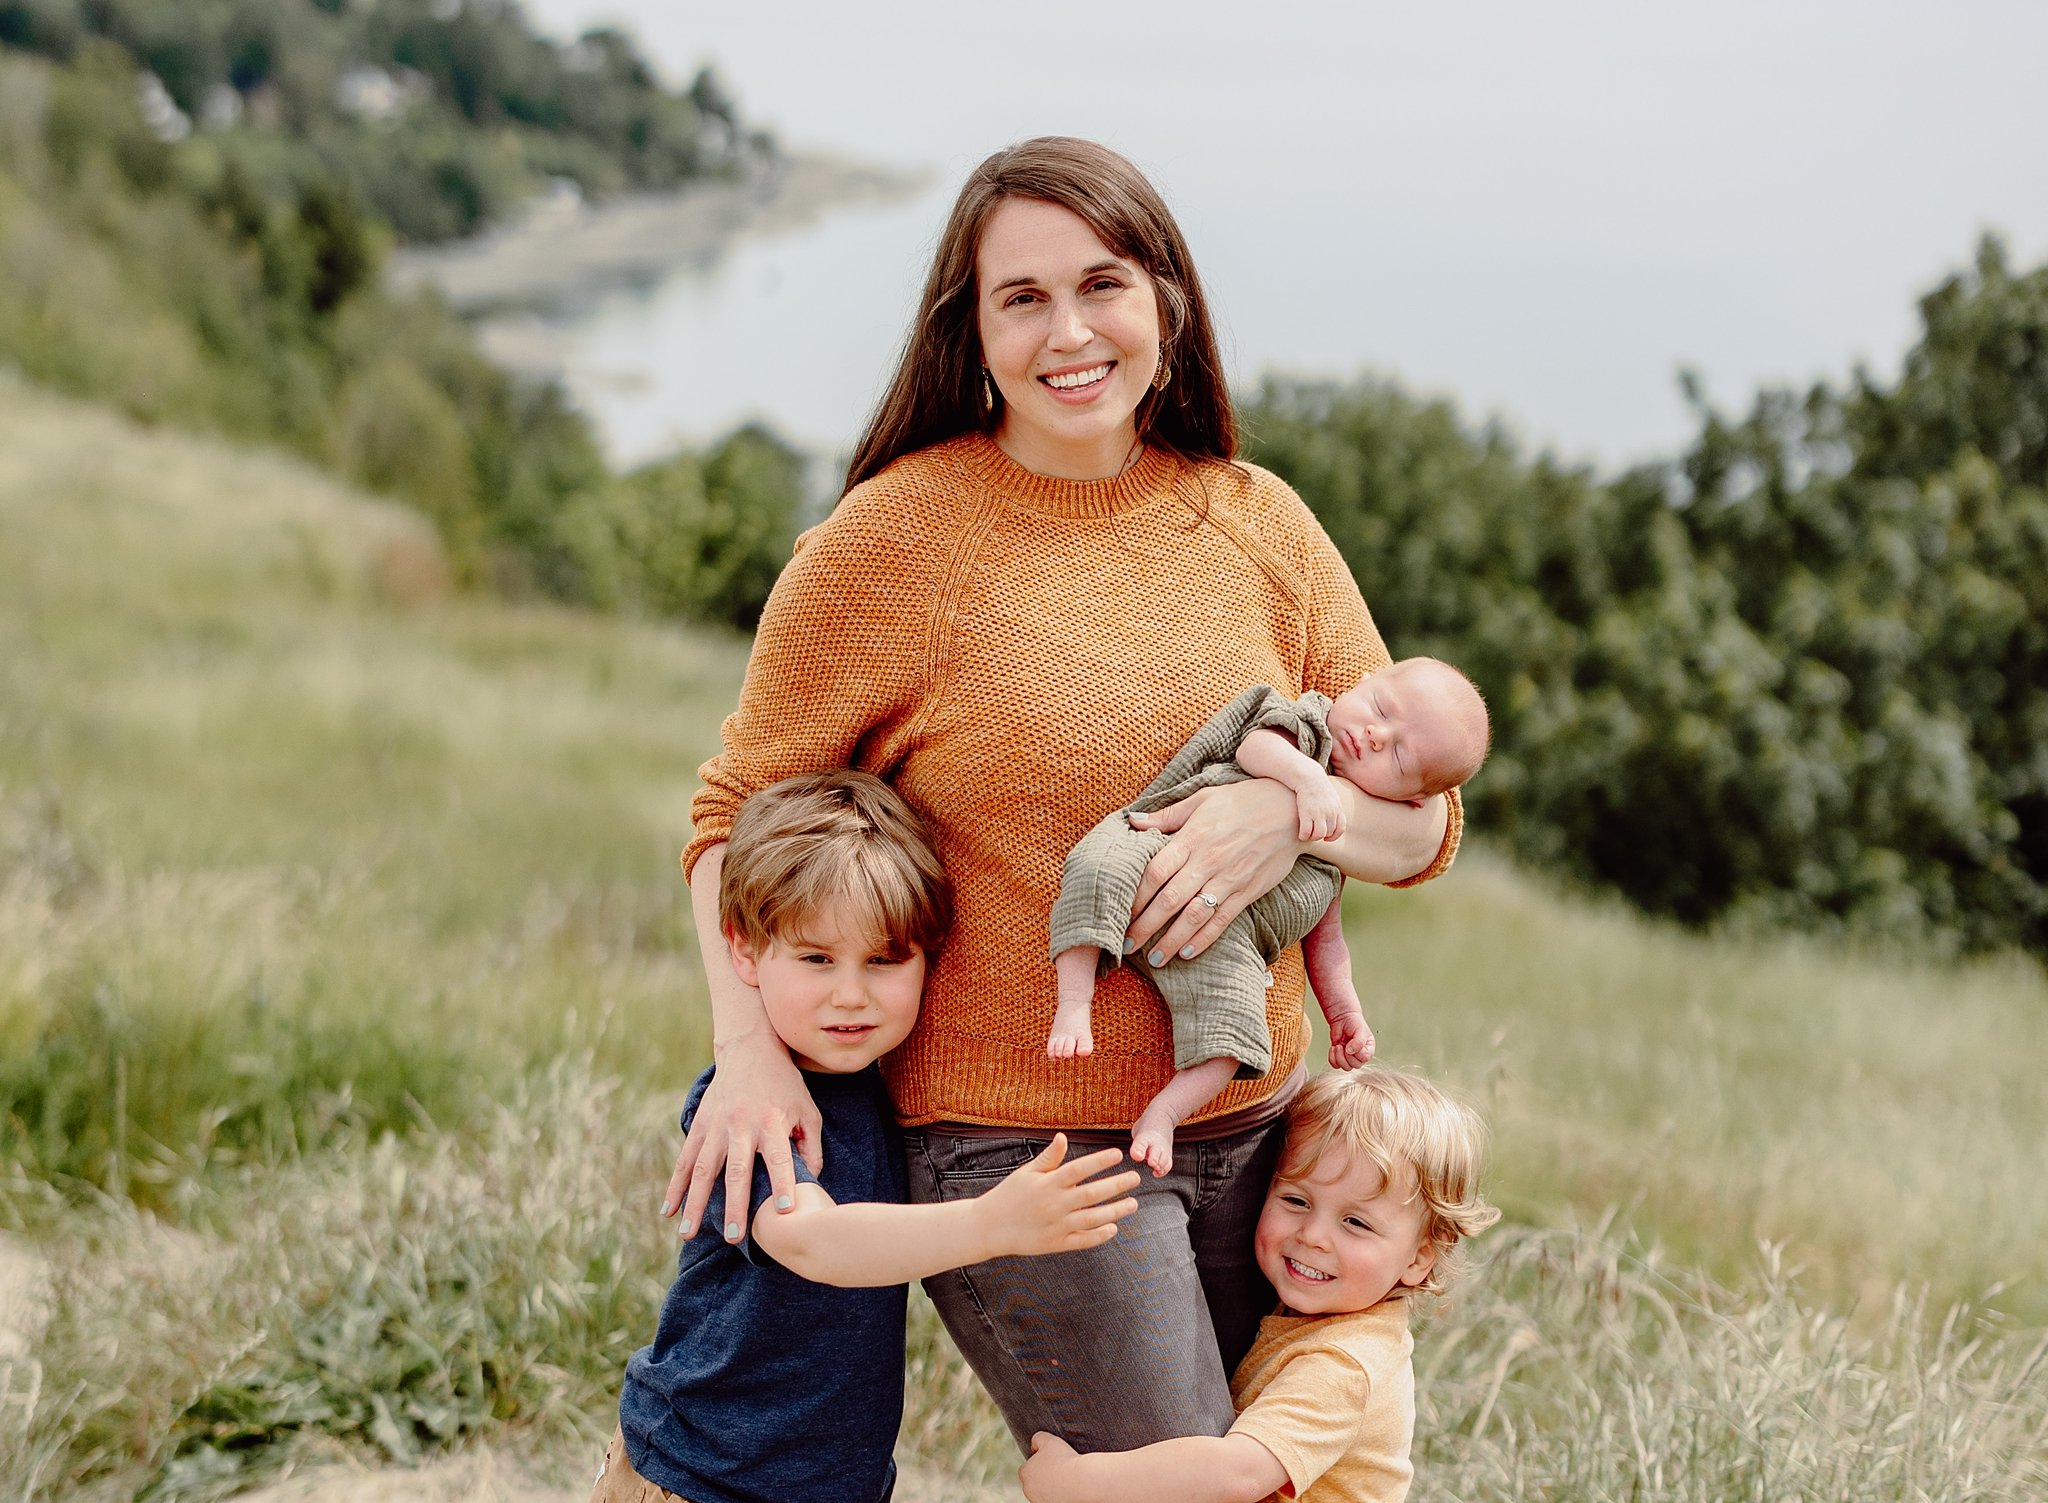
1318, 811
1193, 1469
1045, 1206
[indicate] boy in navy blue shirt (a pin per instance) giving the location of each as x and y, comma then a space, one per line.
776, 1374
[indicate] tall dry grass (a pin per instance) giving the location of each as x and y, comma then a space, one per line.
410, 1294
1879, 1115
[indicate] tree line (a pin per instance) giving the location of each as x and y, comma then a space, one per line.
1798, 675
230, 280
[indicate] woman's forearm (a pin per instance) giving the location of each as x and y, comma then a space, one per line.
736, 1010
1384, 841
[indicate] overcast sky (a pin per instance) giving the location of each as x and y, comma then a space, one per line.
1543, 209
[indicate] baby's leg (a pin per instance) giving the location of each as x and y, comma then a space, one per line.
1187, 1093
1329, 972
1070, 1022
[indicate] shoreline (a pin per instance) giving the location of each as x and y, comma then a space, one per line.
562, 252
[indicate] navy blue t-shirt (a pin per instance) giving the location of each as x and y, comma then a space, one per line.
762, 1387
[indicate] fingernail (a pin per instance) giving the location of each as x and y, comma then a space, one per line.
732, 1231
783, 1202
1157, 957
684, 1230
1130, 945
1187, 952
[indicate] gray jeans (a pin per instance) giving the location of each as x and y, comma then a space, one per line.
1132, 1342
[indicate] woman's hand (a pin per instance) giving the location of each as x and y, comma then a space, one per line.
756, 1101
1231, 844
754, 1105
1234, 843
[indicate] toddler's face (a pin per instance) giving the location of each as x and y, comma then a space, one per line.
832, 994
1389, 733
1338, 1238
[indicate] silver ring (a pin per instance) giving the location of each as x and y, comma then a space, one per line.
1212, 902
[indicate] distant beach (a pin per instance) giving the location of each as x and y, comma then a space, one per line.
563, 250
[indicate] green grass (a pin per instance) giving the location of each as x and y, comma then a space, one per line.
346, 992
292, 838
1880, 1117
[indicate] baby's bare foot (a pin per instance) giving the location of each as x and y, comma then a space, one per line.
1152, 1142
1071, 1035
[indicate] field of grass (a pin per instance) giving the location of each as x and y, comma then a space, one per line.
346, 994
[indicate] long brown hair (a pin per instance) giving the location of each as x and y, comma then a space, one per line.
936, 393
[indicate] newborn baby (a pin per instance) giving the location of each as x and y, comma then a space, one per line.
1405, 733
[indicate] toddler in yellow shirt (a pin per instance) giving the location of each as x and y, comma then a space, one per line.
1376, 1188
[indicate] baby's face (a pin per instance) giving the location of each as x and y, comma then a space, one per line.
1391, 732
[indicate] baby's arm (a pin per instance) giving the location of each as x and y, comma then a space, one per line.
1046, 1206
1192, 1469
1319, 812
1329, 973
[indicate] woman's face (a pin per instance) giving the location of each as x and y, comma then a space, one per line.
1070, 336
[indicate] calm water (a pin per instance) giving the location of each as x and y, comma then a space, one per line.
1545, 211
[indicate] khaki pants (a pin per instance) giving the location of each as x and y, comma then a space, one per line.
617, 1482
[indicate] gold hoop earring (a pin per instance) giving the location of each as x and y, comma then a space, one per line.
988, 392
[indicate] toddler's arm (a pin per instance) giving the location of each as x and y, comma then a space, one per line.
1318, 811
1329, 972
1045, 1206
1193, 1469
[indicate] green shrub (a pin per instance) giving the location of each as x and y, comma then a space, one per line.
1799, 676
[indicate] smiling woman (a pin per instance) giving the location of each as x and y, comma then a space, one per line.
1047, 571
1069, 337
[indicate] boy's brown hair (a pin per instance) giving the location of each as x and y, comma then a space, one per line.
824, 839
1391, 1119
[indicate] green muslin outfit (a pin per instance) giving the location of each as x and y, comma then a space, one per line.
1217, 1000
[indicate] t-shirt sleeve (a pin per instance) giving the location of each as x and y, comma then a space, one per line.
762, 1191
1309, 1415
839, 656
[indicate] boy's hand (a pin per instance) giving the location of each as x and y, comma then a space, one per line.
1318, 811
1048, 1206
1048, 1477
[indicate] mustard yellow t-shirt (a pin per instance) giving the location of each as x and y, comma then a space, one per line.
1333, 1398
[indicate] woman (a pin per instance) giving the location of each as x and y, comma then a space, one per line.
1046, 572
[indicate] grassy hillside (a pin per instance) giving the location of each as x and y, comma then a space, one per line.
345, 994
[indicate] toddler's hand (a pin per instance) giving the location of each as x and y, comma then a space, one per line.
1048, 1206
1048, 1476
1318, 811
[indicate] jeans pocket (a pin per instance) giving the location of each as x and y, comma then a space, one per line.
978, 1160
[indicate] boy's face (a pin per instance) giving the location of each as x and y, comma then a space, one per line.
833, 994
1391, 731
1337, 1238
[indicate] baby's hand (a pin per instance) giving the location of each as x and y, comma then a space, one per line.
1318, 811
1047, 1206
1351, 1040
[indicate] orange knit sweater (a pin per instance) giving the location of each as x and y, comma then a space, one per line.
1019, 655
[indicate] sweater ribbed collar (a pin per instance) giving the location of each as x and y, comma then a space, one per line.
983, 458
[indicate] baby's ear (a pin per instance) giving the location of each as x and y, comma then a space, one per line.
744, 960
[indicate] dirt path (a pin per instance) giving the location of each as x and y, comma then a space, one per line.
481, 1477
